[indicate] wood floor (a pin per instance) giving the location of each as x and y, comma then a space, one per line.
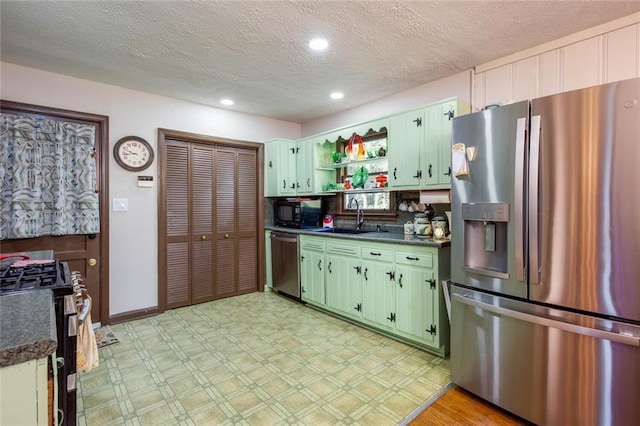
459, 407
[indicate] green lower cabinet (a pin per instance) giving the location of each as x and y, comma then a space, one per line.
378, 286
312, 270
344, 288
414, 303
394, 288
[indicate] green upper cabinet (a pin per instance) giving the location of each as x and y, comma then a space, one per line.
420, 146
406, 146
418, 153
438, 141
280, 168
304, 167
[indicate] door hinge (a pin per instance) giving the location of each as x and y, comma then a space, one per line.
432, 283
392, 317
392, 275
358, 269
301, 259
418, 122
418, 174
358, 307
450, 114
431, 330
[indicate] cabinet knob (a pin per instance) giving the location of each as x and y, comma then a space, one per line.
204, 237
226, 235
92, 262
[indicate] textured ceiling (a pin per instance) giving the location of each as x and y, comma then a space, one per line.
255, 51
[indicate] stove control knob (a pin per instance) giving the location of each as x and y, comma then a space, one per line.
92, 262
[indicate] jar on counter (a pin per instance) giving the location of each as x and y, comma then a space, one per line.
422, 226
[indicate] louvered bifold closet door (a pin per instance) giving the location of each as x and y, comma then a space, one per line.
226, 249
246, 220
202, 212
177, 224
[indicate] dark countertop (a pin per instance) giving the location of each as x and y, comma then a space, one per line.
381, 237
27, 326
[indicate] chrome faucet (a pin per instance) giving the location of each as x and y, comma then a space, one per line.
359, 213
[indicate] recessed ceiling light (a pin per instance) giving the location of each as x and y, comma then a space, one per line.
318, 43
226, 102
337, 95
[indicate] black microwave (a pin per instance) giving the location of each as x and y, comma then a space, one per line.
299, 213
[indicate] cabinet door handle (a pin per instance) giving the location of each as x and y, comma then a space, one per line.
284, 184
319, 265
395, 169
301, 258
365, 274
329, 268
430, 175
375, 254
400, 280
412, 258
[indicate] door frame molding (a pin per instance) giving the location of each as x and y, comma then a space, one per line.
101, 123
163, 136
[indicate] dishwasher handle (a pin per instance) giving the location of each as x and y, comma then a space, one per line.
285, 238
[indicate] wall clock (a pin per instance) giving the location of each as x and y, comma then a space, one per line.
133, 153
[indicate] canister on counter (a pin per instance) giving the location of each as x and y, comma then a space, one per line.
422, 226
408, 228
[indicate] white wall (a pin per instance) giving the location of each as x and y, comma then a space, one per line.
457, 85
133, 234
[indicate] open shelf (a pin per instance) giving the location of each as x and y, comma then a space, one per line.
335, 166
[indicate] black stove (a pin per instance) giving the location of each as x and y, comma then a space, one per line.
33, 275
53, 275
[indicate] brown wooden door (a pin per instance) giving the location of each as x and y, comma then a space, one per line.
246, 216
87, 254
236, 228
202, 212
177, 247
210, 197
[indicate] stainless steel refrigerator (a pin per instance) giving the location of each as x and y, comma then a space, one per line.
545, 306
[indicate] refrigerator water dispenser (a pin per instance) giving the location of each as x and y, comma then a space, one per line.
485, 238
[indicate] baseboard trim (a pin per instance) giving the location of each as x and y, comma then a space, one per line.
134, 315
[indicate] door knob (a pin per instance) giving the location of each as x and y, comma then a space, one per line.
226, 235
204, 237
92, 262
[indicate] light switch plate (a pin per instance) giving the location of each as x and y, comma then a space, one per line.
120, 205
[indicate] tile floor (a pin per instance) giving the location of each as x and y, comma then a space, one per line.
257, 359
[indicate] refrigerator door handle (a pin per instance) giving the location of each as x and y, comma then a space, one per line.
534, 199
518, 202
546, 322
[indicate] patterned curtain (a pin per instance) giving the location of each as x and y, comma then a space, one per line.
47, 178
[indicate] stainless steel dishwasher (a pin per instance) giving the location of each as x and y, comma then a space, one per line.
284, 264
